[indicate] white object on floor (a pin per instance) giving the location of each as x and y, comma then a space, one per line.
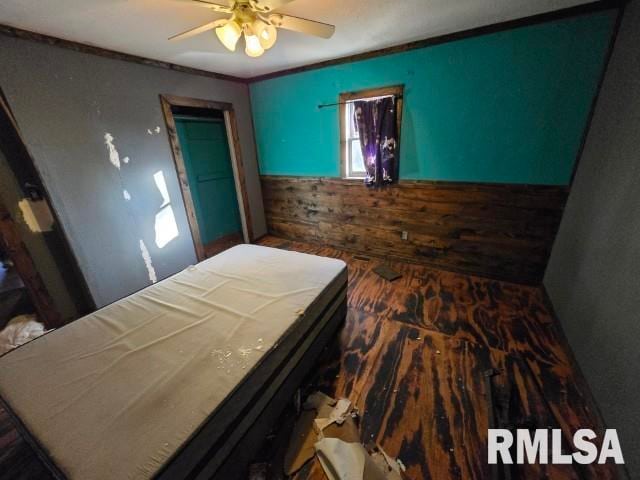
20, 330
339, 413
341, 460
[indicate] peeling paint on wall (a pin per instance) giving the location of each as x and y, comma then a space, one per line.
126, 195
114, 156
147, 261
125, 159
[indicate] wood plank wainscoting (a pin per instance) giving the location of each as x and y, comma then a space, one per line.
494, 230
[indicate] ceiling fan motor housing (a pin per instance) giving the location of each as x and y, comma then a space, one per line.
243, 13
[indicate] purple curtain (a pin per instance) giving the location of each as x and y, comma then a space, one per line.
377, 125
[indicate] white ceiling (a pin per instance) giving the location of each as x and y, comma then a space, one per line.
141, 27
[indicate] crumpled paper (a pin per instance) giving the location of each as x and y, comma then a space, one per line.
327, 429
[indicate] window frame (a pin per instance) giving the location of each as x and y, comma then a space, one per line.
345, 142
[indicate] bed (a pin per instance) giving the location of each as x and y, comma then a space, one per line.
182, 379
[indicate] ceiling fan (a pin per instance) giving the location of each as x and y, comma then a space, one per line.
257, 21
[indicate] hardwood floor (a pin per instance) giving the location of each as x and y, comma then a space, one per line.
412, 356
222, 244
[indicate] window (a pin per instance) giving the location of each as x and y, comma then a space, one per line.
355, 163
352, 162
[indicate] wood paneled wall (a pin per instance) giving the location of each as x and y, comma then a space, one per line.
494, 230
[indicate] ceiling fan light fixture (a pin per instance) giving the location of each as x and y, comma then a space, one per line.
229, 34
266, 33
254, 19
254, 48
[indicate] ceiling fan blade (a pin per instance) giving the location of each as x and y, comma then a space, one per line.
302, 25
268, 5
216, 7
200, 29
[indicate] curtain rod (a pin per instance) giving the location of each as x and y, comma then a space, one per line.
356, 100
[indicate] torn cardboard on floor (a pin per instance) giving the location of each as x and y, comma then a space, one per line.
327, 429
304, 436
338, 415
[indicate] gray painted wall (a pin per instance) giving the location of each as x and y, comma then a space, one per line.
65, 102
593, 277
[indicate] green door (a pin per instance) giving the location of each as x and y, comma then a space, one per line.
205, 150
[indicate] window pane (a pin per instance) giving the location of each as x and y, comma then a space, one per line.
352, 132
357, 163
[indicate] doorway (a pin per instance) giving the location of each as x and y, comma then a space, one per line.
22, 290
39, 273
206, 151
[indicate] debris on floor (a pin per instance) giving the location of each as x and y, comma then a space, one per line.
338, 415
327, 429
387, 273
20, 330
301, 448
393, 468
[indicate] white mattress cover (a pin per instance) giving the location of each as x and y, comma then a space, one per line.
116, 393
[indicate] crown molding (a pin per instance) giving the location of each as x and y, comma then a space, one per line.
103, 52
451, 37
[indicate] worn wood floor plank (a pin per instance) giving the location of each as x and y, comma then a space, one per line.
412, 355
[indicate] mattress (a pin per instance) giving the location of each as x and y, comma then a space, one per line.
146, 386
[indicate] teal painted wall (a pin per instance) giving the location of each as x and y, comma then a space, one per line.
509, 107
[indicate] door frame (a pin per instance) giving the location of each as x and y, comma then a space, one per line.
169, 101
58, 241
11, 240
